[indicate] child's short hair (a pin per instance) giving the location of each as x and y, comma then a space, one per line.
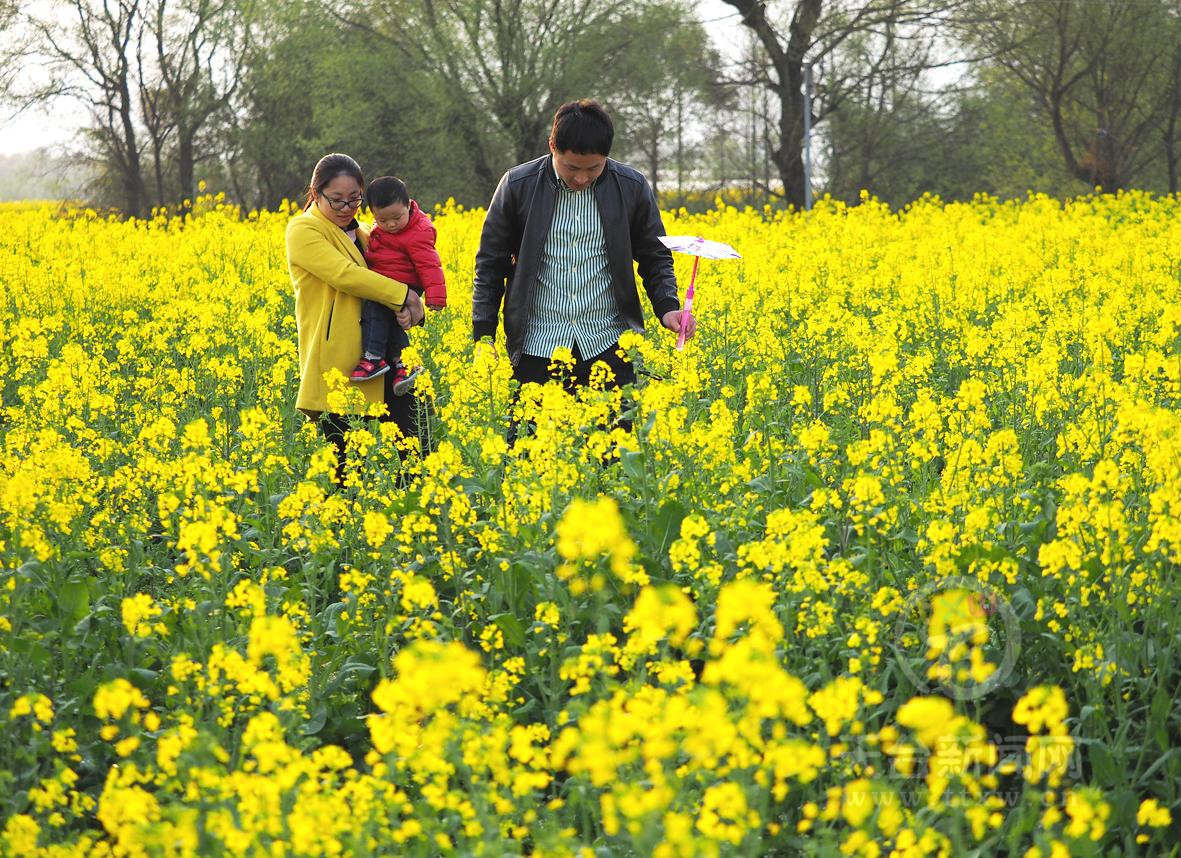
582, 127
387, 190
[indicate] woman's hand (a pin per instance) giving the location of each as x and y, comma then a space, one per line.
412, 312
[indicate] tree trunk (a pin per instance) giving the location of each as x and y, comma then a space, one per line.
185, 168
1171, 157
765, 159
789, 154
787, 61
752, 150
476, 139
722, 158
680, 145
158, 157
529, 135
654, 162
133, 180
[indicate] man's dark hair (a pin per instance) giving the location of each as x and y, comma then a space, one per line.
387, 190
582, 127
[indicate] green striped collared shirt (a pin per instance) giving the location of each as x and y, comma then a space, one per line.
574, 303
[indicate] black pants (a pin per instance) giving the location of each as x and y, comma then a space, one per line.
536, 369
407, 411
380, 332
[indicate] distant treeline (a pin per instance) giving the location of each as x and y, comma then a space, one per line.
41, 175
904, 97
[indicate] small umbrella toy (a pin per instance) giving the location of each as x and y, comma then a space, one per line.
696, 247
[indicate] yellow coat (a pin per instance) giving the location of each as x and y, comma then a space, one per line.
331, 280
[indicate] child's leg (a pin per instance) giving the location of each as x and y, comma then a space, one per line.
397, 340
377, 321
402, 378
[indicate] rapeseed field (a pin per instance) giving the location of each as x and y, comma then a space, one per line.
887, 565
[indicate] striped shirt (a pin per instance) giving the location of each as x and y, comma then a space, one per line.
574, 303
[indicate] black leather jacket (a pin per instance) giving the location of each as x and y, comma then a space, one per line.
515, 231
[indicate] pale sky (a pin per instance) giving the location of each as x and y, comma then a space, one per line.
36, 128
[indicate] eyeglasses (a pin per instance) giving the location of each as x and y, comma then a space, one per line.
343, 205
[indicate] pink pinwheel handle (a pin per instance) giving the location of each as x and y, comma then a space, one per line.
686, 315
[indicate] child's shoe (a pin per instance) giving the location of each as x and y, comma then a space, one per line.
367, 369
404, 378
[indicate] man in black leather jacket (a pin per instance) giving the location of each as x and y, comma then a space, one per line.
557, 248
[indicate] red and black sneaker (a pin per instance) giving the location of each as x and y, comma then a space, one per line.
367, 369
404, 378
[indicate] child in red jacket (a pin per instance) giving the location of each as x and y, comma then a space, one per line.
402, 247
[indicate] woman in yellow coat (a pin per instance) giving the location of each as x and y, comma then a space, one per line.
325, 255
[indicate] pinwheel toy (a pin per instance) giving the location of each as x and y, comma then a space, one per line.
697, 248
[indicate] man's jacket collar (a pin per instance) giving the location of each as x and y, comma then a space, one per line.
546, 167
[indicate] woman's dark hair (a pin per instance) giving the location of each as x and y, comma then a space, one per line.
385, 191
327, 169
582, 127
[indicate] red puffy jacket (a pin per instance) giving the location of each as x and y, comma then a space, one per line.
409, 256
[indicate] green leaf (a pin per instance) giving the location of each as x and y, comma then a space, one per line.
1103, 765
1023, 602
316, 723
724, 546
762, 484
82, 686
1159, 717
350, 670
665, 526
143, 675
29, 569
1146, 778
511, 628
74, 598
31, 652
330, 617
633, 464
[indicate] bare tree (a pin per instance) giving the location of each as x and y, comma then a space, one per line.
881, 125
158, 124
674, 82
197, 44
503, 65
10, 55
150, 73
86, 50
1095, 69
1172, 113
815, 32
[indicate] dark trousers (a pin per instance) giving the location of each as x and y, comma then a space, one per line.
536, 369
380, 332
407, 411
